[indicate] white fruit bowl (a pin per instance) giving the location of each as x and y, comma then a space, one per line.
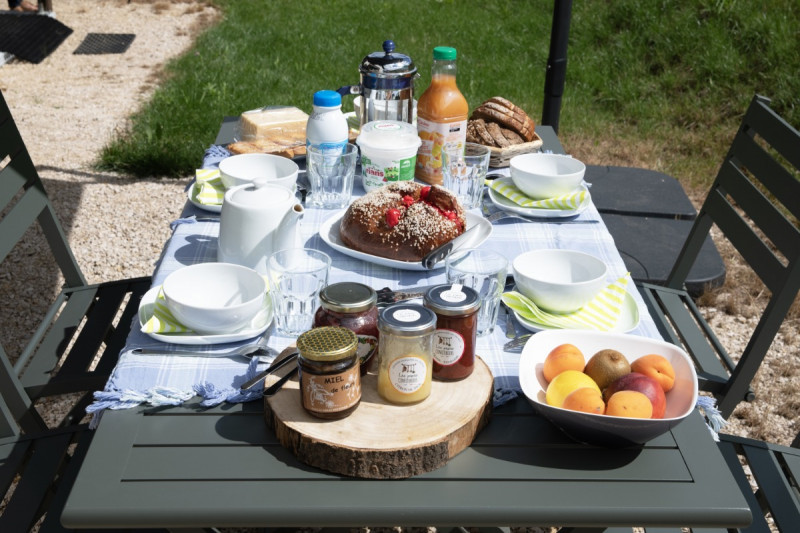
604, 430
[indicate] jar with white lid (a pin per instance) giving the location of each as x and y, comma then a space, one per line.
388, 152
405, 350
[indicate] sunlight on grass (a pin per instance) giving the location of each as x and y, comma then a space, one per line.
660, 85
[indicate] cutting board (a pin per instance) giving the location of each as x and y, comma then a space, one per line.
381, 440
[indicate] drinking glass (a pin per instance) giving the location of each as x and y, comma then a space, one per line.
330, 172
296, 277
464, 172
482, 270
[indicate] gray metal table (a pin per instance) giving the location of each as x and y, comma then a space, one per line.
186, 466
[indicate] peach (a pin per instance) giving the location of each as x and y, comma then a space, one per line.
566, 382
657, 367
562, 357
630, 404
640, 383
585, 399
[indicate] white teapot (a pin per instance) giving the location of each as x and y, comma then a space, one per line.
257, 219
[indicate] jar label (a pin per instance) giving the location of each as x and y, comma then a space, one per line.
448, 346
331, 393
407, 374
407, 315
454, 296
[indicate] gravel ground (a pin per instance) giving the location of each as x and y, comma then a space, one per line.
69, 106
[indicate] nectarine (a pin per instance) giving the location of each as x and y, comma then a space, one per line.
657, 367
640, 383
630, 404
562, 357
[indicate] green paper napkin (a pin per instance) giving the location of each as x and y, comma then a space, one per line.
163, 320
601, 313
208, 187
566, 201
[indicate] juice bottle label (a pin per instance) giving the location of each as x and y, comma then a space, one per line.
435, 136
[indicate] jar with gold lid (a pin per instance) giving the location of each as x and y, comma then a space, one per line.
456, 309
353, 306
330, 380
405, 353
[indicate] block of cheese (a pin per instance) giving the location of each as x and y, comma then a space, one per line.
277, 124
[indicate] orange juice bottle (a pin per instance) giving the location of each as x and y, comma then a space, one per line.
442, 113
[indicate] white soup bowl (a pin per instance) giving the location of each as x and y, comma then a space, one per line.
212, 298
558, 280
242, 169
542, 176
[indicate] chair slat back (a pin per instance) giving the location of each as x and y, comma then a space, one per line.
23, 196
754, 203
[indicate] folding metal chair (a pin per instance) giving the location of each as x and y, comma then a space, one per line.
754, 203
76, 345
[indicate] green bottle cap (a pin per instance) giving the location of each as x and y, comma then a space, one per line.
445, 53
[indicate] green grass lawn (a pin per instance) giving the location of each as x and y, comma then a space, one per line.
654, 84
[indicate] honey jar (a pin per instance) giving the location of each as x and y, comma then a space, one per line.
352, 306
456, 309
330, 377
405, 352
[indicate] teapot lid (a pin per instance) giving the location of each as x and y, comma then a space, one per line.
258, 194
387, 64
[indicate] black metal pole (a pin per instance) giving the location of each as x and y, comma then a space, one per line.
556, 73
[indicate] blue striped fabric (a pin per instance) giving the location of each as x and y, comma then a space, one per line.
172, 380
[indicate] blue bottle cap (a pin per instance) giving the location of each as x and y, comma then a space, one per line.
327, 98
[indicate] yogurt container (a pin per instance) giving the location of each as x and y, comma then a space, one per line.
388, 152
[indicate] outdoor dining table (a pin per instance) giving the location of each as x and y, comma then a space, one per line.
207, 458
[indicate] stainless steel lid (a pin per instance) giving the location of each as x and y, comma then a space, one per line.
387, 69
452, 300
407, 320
347, 297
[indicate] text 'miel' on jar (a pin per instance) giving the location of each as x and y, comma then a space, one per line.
352, 306
456, 309
330, 380
405, 352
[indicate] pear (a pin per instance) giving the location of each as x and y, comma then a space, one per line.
606, 366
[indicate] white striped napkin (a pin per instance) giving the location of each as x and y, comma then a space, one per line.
208, 187
567, 201
601, 313
163, 320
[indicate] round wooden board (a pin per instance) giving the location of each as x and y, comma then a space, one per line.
381, 440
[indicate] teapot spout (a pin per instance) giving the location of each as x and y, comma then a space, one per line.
287, 235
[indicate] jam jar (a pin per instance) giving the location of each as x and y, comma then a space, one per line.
405, 353
352, 306
330, 380
456, 309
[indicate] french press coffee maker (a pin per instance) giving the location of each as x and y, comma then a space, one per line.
387, 86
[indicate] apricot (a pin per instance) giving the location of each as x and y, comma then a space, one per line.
630, 404
566, 382
644, 384
585, 399
562, 357
657, 367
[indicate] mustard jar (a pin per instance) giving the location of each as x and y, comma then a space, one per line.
405, 350
330, 377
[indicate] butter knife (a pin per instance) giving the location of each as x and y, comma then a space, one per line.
276, 365
430, 260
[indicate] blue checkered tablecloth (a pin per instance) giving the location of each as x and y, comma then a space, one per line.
170, 380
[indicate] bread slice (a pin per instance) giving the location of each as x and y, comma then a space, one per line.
506, 114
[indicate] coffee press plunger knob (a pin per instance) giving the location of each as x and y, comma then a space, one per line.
388, 46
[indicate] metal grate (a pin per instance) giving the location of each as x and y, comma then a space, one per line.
105, 43
30, 37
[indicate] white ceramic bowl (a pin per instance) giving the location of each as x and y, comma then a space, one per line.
607, 430
558, 280
214, 298
242, 169
542, 176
